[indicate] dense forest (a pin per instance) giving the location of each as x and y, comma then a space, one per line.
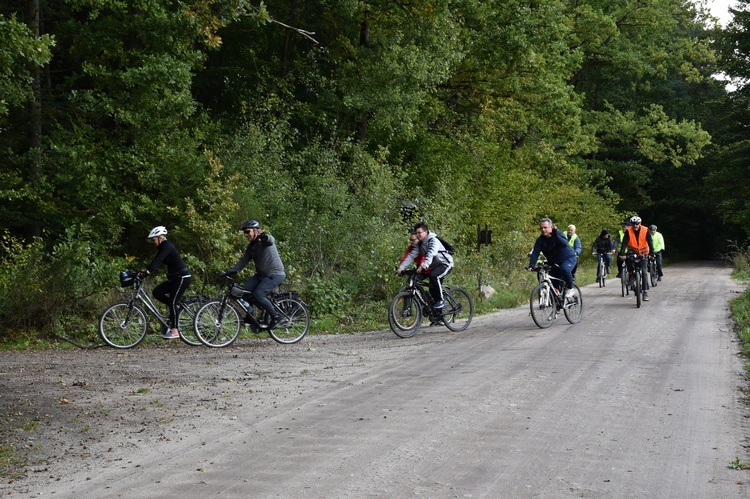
340, 123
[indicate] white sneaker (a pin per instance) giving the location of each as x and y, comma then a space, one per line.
570, 294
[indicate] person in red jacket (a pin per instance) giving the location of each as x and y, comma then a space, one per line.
419, 259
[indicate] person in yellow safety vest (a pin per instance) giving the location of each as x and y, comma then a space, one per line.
574, 242
659, 248
616, 244
638, 240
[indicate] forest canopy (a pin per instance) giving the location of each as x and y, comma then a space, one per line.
339, 124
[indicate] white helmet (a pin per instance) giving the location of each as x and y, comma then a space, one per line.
157, 231
635, 220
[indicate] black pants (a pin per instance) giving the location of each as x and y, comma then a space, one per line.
436, 275
170, 292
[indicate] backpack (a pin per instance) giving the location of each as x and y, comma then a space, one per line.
448, 246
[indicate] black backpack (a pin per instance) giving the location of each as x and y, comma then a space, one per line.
448, 246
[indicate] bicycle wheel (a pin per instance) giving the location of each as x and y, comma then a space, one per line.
653, 274
637, 289
123, 325
458, 310
405, 315
573, 308
624, 280
542, 305
295, 321
216, 324
186, 321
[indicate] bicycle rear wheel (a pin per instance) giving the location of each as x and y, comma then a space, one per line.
624, 280
542, 305
295, 321
405, 315
123, 325
458, 310
573, 308
186, 321
217, 324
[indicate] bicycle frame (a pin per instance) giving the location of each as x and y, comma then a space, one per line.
543, 275
420, 291
141, 296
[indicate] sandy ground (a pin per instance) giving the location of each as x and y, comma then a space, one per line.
628, 403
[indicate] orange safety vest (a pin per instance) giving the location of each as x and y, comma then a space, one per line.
638, 244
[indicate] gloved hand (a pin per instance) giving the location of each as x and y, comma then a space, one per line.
142, 274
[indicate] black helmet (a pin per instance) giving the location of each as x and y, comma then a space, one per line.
604, 232
626, 223
250, 224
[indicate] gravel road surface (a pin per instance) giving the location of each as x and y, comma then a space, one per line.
640, 403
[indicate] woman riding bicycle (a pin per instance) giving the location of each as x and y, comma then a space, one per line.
178, 276
603, 249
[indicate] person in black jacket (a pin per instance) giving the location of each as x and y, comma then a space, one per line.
178, 276
603, 248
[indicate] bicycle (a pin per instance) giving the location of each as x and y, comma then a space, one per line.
624, 280
601, 270
635, 276
653, 271
414, 302
124, 324
218, 324
549, 297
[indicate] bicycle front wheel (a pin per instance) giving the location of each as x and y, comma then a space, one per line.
638, 290
123, 325
573, 307
186, 321
295, 321
653, 274
405, 315
542, 305
624, 281
217, 324
458, 310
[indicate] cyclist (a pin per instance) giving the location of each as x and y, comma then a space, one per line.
659, 248
575, 242
437, 261
554, 245
603, 248
419, 259
617, 242
269, 270
638, 240
178, 276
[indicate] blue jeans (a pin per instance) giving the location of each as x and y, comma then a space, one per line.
607, 261
260, 286
565, 272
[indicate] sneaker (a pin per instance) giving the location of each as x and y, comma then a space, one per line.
275, 321
570, 294
439, 304
171, 335
659, 279
645, 296
618, 275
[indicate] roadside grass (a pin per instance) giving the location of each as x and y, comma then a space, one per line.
739, 257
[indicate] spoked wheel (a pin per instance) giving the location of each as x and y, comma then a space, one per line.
624, 281
216, 324
123, 325
295, 321
458, 310
573, 307
186, 322
405, 315
542, 305
653, 274
638, 290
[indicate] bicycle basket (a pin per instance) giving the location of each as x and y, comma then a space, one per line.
127, 278
237, 291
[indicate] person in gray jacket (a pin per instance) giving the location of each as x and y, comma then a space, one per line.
436, 260
269, 270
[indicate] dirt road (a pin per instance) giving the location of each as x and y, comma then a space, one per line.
628, 403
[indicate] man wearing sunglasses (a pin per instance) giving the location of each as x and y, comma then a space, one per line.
638, 240
269, 270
